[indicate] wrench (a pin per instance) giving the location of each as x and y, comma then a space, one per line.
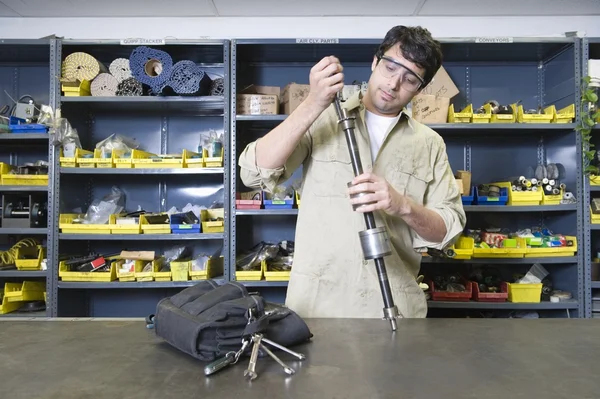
283, 348
286, 368
250, 371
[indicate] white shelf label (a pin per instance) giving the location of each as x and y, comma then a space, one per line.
142, 42
493, 40
317, 41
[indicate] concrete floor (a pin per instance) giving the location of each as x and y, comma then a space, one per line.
425, 359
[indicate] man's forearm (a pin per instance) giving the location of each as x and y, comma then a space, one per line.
273, 150
425, 222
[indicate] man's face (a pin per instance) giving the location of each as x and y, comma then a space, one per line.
393, 83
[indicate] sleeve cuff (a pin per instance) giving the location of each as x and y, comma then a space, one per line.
254, 176
453, 231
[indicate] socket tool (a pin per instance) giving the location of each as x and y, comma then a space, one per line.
374, 240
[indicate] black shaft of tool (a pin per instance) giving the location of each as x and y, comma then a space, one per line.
384, 283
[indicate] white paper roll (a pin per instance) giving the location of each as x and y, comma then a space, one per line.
120, 69
104, 85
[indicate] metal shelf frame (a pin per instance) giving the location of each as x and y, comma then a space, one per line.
256, 61
468, 63
590, 50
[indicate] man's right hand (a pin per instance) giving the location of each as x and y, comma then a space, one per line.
326, 80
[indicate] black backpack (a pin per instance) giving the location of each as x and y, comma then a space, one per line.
208, 320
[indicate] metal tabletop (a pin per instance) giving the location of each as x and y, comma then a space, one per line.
425, 358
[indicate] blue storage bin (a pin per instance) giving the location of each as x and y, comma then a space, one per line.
178, 227
469, 199
18, 125
277, 204
485, 200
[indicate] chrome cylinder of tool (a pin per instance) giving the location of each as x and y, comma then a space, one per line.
375, 243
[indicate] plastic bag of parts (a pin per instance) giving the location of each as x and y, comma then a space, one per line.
116, 142
174, 254
219, 202
212, 142
281, 193
64, 134
535, 275
100, 210
279, 256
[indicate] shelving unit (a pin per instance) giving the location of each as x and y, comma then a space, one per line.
160, 125
535, 71
25, 69
591, 50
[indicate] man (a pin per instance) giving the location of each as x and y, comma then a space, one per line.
412, 190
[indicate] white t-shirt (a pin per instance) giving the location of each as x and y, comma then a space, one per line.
377, 126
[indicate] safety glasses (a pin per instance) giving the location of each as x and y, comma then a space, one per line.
390, 68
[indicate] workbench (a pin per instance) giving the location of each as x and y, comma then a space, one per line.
425, 358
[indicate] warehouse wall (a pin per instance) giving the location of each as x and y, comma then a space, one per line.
279, 27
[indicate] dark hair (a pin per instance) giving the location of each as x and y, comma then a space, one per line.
417, 46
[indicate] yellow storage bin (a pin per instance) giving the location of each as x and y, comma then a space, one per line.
521, 198
464, 247
128, 276
275, 275
159, 275
159, 161
501, 118
66, 225
594, 180
180, 270
563, 115
212, 162
98, 277
30, 258
464, 116
209, 224
192, 159
524, 293
124, 160
153, 228
147, 275
545, 117
595, 219
115, 228
5, 169
518, 252
72, 162
213, 268
297, 198
24, 180
25, 291
552, 252
484, 117
551, 199
97, 160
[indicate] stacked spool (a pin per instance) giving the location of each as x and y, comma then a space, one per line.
147, 71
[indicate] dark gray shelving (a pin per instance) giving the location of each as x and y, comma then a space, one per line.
23, 188
23, 273
571, 304
503, 261
25, 315
594, 226
23, 231
266, 212
594, 188
141, 237
141, 171
129, 285
512, 209
595, 284
20, 137
263, 283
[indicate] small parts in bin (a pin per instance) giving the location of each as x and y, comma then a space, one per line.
488, 280
89, 263
504, 238
29, 211
488, 190
278, 256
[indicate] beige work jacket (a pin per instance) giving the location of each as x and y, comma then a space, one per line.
329, 276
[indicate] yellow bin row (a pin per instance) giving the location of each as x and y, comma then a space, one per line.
67, 226
549, 115
465, 249
257, 275
140, 159
525, 198
16, 294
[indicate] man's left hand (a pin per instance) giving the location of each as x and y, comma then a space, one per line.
380, 195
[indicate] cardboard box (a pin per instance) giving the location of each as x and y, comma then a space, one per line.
258, 100
441, 85
461, 186
293, 94
428, 108
465, 178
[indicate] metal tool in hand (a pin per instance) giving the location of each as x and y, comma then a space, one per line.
374, 240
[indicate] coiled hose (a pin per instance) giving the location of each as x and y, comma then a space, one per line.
9, 257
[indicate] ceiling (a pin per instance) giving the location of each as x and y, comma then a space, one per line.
292, 8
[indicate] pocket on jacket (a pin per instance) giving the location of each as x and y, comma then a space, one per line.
331, 170
411, 180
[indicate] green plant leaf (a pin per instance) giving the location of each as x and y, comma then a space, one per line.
588, 121
587, 79
590, 154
